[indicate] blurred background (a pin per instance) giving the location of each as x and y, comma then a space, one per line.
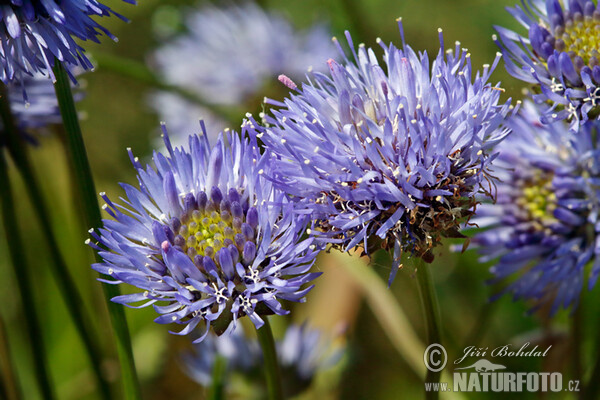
379, 359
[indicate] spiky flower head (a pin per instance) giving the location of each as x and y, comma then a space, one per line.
395, 153
560, 54
206, 237
33, 33
543, 228
40, 109
302, 352
262, 46
39, 112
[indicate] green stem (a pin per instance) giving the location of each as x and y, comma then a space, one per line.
591, 389
217, 387
132, 69
576, 342
273, 375
10, 387
84, 182
386, 309
482, 323
432, 316
63, 278
22, 271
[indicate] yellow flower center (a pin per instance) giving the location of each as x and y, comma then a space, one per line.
206, 232
582, 38
539, 200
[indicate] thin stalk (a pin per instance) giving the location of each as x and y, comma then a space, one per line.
390, 315
22, 270
386, 309
84, 182
10, 386
576, 343
432, 316
63, 278
482, 323
271, 366
135, 70
217, 387
592, 389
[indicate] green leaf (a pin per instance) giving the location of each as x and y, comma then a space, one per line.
84, 182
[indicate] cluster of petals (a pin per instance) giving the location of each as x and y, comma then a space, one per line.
543, 229
394, 152
302, 352
206, 237
560, 55
34, 33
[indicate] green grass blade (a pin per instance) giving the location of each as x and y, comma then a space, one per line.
10, 386
431, 313
60, 271
270, 363
390, 315
82, 175
22, 271
139, 72
217, 386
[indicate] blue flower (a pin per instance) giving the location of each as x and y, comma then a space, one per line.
543, 229
302, 353
207, 237
227, 56
40, 109
33, 33
394, 153
560, 54
183, 116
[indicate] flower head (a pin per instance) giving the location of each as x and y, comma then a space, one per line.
227, 55
33, 33
544, 225
206, 234
40, 109
302, 353
394, 153
560, 54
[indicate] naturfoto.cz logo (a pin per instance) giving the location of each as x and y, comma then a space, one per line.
486, 376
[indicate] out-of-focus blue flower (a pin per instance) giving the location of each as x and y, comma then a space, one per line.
206, 236
41, 107
33, 33
395, 153
228, 54
544, 224
560, 54
184, 117
302, 353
